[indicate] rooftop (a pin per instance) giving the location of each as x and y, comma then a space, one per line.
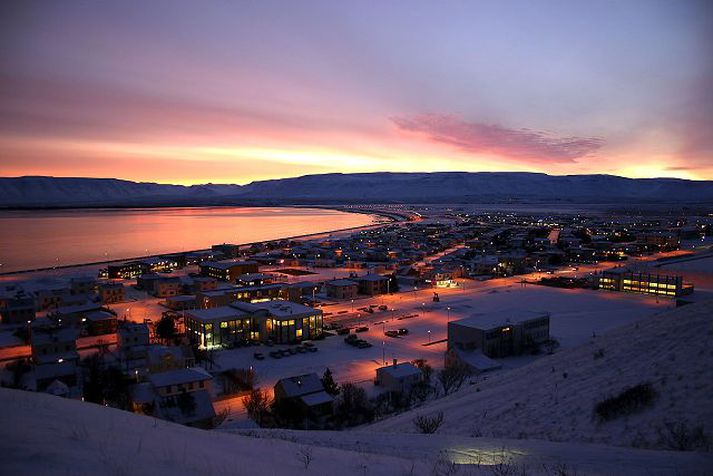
217, 313
341, 282
492, 320
404, 369
300, 385
180, 376
279, 308
226, 264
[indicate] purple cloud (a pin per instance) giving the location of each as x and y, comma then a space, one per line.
490, 138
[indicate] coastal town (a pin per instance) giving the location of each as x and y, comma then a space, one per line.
341, 328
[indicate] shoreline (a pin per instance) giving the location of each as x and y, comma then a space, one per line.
393, 217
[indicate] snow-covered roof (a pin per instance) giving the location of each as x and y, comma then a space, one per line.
399, 371
373, 277
217, 313
179, 376
225, 264
99, 315
477, 360
500, 318
280, 308
314, 399
300, 385
79, 308
341, 282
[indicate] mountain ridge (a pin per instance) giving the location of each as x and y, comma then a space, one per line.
375, 187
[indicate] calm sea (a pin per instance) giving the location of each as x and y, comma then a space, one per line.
46, 238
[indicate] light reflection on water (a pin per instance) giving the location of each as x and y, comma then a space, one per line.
45, 238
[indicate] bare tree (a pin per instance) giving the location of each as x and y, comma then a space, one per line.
304, 455
453, 377
428, 424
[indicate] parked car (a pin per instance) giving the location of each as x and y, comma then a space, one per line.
369, 310
343, 331
308, 344
391, 333
402, 332
301, 349
383, 307
259, 355
362, 344
313, 349
361, 329
276, 354
350, 338
292, 350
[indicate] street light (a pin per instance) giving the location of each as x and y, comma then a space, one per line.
429, 336
449, 313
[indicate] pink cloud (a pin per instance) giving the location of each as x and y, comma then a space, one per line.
490, 138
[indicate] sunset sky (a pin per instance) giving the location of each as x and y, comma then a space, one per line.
236, 91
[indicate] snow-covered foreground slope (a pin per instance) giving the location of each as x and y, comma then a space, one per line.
554, 397
46, 435
41, 434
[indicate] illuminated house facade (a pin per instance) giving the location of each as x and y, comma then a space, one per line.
500, 334
625, 280
278, 321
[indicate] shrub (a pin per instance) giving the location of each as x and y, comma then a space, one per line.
257, 405
680, 436
352, 406
427, 424
627, 402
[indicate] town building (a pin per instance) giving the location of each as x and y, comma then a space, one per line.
307, 392
227, 270
181, 396
82, 285
278, 321
54, 361
127, 270
626, 280
399, 377
288, 321
373, 284
16, 306
111, 292
500, 334
182, 302
342, 289
223, 325
228, 250
100, 322
130, 334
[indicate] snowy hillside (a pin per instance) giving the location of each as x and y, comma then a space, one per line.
46, 435
43, 434
443, 187
554, 397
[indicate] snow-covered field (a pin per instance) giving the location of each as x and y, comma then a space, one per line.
553, 398
46, 435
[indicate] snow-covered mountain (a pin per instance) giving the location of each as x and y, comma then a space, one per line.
440, 187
